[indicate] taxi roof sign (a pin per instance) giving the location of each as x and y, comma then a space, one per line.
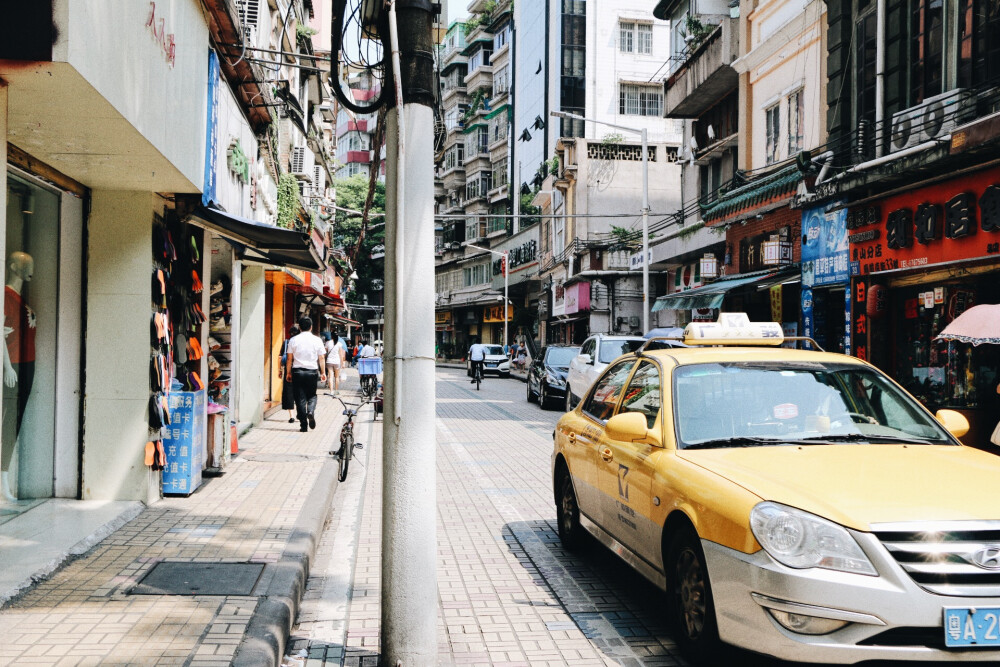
734, 329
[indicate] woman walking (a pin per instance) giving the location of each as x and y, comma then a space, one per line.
334, 361
287, 394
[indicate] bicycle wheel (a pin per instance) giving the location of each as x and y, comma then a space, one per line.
479, 379
345, 456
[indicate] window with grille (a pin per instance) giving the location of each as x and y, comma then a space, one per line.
644, 38
634, 37
499, 173
796, 114
626, 36
611, 151
498, 128
640, 100
773, 133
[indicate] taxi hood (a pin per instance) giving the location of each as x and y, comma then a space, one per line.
857, 485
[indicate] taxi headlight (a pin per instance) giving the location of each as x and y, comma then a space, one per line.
802, 540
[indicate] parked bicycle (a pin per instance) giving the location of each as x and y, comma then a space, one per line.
369, 368
347, 444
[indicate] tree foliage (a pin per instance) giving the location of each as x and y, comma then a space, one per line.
352, 193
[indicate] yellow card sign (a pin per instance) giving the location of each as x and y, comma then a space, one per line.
443, 317
776, 303
494, 314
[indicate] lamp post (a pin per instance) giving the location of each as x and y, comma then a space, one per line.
645, 202
506, 301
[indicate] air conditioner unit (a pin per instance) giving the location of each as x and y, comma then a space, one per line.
303, 162
933, 118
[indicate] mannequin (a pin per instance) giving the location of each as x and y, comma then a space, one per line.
18, 361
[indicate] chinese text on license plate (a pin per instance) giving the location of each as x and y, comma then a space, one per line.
972, 627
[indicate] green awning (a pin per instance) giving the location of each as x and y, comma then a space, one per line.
711, 296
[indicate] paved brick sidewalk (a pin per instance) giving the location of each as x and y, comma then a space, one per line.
83, 614
508, 593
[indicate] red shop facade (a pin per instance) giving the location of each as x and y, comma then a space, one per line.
919, 259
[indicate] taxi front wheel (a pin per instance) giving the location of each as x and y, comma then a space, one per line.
692, 609
568, 514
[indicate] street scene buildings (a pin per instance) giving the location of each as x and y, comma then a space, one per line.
183, 181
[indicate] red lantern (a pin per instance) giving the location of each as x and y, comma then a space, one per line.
878, 295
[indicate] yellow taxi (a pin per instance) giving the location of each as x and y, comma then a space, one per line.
791, 502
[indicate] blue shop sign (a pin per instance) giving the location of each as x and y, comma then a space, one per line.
825, 252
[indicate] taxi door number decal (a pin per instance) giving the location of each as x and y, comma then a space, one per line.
622, 482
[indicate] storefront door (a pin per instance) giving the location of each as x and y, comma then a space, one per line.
42, 308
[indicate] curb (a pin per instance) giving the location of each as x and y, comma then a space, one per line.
284, 582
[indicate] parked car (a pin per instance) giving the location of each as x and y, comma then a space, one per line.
595, 354
798, 504
547, 374
496, 362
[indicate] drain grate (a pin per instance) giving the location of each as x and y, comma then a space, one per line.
174, 578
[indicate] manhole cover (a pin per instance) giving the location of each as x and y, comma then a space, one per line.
169, 578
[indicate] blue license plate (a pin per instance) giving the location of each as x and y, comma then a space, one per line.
972, 626
491, 365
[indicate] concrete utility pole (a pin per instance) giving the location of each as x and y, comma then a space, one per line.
409, 539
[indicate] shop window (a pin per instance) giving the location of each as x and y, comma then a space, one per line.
31, 300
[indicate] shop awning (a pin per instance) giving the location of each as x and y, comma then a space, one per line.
711, 296
260, 243
340, 319
314, 296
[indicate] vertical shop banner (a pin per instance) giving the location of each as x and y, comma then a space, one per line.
847, 321
825, 251
184, 441
859, 318
211, 136
806, 300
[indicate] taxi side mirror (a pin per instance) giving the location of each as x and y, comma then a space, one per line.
629, 427
954, 422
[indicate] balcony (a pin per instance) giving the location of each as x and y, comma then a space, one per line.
480, 78
706, 75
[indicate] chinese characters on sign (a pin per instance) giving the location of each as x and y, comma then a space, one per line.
825, 250
159, 30
953, 221
184, 441
520, 255
766, 250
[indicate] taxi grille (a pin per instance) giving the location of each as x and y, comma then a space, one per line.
943, 558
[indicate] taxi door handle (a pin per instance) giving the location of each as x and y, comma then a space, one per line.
607, 454
572, 438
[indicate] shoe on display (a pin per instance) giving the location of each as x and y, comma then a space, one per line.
213, 344
216, 287
216, 308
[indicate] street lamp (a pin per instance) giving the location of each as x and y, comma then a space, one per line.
645, 202
506, 271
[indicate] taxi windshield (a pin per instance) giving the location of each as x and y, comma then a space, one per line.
742, 404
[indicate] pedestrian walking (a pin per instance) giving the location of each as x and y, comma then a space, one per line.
334, 360
287, 393
307, 367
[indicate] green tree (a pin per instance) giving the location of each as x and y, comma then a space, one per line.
352, 193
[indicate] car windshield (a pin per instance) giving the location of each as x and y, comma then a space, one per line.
561, 356
753, 404
494, 350
612, 349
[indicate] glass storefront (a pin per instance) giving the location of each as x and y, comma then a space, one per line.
31, 297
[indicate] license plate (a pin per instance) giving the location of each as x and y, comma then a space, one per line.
972, 626
491, 365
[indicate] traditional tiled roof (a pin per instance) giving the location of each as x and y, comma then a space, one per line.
752, 194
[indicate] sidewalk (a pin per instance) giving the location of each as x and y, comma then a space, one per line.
268, 509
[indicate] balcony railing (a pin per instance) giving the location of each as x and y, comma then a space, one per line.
704, 76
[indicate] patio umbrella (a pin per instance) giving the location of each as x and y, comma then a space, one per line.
977, 325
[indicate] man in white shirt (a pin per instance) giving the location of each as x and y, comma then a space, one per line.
477, 355
307, 367
367, 351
